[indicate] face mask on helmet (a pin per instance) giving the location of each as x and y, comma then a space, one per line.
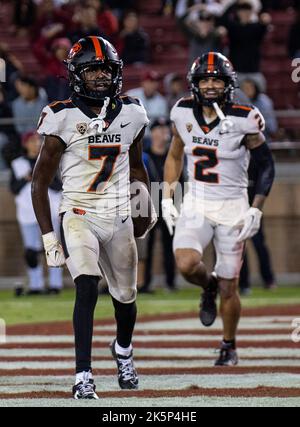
208, 94
209, 90
212, 67
97, 78
97, 81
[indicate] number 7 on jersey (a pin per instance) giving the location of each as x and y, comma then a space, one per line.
108, 155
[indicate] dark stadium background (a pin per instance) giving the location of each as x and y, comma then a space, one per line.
168, 52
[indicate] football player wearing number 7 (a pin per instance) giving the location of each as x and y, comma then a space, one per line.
95, 138
216, 135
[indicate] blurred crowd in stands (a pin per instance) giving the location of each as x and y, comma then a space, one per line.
235, 27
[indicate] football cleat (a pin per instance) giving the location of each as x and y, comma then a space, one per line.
85, 389
228, 356
127, 375
208, 306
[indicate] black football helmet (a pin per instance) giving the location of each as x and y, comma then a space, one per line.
212, 64
90, 53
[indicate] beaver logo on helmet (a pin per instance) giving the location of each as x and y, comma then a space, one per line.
75, 49
92, 53
216, 65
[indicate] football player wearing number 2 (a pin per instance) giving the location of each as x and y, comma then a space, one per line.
95, 138
216, 135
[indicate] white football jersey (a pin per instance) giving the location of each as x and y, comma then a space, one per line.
95, 164
217, 159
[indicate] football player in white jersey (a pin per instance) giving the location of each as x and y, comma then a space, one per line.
95, 138
216, 135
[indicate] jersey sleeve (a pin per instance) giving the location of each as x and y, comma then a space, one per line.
254, 123
48, 123
142, 120
173, 113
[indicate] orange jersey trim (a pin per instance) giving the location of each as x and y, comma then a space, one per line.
241, 107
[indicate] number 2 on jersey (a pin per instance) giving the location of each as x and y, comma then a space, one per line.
108, 155
209, 160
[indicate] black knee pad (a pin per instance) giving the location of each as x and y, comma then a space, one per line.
87, 288
90, 281
32, 258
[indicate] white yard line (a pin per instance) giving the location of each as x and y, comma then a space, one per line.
55, 365
154, 382
165, 352
55, 339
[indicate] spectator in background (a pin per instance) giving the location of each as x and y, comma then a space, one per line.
246, 32
28, 106
85, 20
154, 161
51, 56
9, 143
51, 21
12, 67
24, 16
294, 38
107, 21
201, 30
119, 7
175, 88
264, 103
133, 42
278, 4
168, 7
214, 7
154, 103
22, 169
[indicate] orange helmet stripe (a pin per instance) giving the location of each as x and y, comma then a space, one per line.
211, 62
98, 48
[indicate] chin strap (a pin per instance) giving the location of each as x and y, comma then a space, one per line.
226, 124
98, 122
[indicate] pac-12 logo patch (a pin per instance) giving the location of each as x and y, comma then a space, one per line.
82, 128
189, 127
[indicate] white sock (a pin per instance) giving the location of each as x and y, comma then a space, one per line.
84, 376
123, 351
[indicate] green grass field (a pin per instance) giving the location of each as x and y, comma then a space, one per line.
58, 308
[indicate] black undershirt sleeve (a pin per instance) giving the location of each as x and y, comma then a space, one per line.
264, 164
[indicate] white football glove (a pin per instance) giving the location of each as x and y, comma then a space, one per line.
54, 251
170, 214
153, 217
251, 224
152, 223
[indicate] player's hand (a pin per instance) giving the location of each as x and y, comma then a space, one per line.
153, 217
251, 224
54, 251
170, 214
152, 223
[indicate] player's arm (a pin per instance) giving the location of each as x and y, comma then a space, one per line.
264, 163
174, 164
172, 172
137, 168
43, 174
139, 172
